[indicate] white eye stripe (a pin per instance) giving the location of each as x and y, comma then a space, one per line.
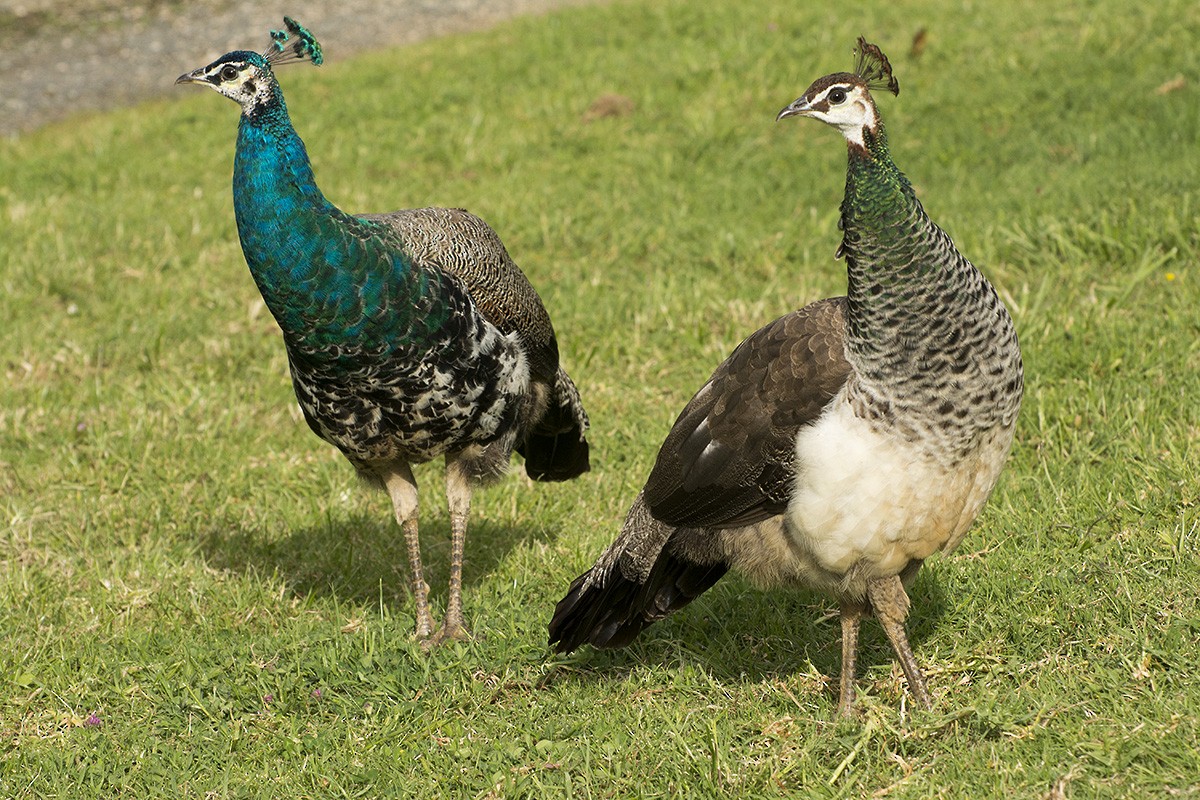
228, 72
838, 94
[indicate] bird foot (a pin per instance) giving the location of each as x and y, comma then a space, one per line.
445, 634
424, 626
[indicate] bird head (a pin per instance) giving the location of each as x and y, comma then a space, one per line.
843, 99
246, 77
243, 76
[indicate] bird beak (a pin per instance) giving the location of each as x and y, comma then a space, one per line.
799, 107
195, 76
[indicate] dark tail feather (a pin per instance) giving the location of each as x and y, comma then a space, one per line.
555, 449
612, 611
555, 457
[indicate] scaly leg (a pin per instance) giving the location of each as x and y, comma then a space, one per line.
458, 496
890, 604
852, 614
402, 488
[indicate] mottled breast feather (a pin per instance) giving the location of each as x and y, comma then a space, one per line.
377, 405
729, 459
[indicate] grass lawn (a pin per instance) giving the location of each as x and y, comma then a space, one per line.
198, 600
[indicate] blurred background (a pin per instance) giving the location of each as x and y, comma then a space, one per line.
58, 57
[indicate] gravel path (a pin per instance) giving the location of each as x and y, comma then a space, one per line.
58, 57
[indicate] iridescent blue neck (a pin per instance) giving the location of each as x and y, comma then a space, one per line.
327, 277
284, 220
273, 190
271, 159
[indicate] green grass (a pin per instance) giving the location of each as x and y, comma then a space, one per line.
183, 560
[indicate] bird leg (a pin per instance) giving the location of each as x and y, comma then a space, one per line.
890, 603
852, 614
458, 497
402, 488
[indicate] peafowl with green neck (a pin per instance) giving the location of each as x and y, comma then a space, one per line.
839, 446
410, 335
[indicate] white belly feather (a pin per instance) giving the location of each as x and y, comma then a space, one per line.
864, 505
870, 501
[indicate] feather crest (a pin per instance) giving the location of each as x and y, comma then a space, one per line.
285, 49
873, 67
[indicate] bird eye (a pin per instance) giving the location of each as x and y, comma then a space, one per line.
837, 96
228, 72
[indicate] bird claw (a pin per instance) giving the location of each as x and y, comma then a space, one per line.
424, 627
444, 635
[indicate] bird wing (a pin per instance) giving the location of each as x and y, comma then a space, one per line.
729, 459
463, 245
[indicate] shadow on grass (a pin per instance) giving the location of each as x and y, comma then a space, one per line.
361, 558
738, 633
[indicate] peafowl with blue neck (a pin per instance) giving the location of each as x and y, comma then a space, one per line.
410, 335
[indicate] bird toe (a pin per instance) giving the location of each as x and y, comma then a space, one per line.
445, 635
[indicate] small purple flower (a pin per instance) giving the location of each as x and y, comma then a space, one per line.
316, 693
93, 721
268, 699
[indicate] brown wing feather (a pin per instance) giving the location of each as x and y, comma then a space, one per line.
729, 459
465, 246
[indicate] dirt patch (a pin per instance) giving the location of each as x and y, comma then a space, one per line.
60, 57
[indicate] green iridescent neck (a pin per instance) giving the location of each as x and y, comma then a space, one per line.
876, 189
888, 242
